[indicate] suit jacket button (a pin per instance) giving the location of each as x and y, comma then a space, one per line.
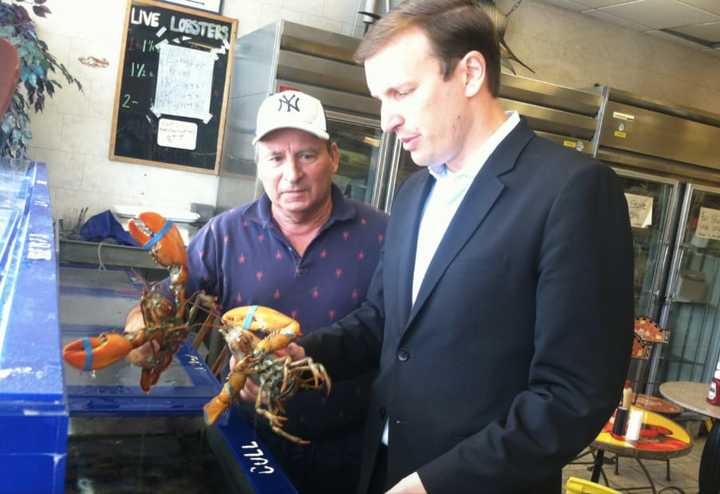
403, 356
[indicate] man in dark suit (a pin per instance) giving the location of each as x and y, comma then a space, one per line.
500, 317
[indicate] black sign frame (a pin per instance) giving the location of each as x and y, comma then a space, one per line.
172, 88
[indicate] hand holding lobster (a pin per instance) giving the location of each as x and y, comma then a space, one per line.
259, 338
278, 377
159, 324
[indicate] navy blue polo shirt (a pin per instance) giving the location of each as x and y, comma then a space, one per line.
242, 257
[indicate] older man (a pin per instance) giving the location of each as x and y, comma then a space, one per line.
305, 250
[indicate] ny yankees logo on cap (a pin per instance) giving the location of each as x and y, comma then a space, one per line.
294, 110
289, 101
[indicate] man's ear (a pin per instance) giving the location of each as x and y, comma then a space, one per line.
335, 156
473, 67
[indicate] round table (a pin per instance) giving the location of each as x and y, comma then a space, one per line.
693, 397
655, 404
660, 439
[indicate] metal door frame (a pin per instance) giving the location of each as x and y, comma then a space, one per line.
383, 150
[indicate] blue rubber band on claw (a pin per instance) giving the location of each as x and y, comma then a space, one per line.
249, 317
88, 353
158, 236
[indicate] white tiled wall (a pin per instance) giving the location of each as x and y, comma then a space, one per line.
72, 134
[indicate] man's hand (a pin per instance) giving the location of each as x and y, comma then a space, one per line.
133, 324
409, 485
250, 390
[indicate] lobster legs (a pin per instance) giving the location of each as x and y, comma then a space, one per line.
278, 379
222, 401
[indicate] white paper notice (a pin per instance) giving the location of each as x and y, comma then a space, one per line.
640, 209
177, 134
184, 82
209, 5
708, 224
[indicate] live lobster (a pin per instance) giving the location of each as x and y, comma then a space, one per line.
167, 314
253, 333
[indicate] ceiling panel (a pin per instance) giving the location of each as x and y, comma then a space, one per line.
697, 18
659, 14
573, 5
675, 39
708, 32
593, 4
620, 21
712, 6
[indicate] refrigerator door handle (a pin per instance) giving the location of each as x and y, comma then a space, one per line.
657, 289
675, 275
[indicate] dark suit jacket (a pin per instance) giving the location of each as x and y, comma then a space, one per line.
515, 351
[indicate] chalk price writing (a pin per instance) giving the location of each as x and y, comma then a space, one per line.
257, 459
139, 70
149, 46
127, 101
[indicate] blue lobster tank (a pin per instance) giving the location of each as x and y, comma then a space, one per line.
158, 436
94, 301
33, 404
64, 430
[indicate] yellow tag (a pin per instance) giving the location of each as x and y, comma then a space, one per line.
569, 144
620, 134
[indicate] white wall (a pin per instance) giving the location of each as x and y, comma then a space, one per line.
72, 134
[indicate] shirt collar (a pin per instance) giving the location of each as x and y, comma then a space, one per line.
470, 170
342, 209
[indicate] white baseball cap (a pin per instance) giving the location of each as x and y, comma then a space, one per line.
291, 109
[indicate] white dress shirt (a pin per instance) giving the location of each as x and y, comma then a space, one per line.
443, 202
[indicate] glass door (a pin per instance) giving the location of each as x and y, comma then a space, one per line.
691, 311
652, 204
363, 151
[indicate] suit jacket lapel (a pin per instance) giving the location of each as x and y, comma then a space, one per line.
403, 268
476, 205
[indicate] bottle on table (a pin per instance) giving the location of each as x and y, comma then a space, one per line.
713, 396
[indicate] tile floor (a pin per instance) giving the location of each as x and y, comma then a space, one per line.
683, 472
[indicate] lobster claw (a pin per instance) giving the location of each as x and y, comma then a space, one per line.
168, 249
96, 352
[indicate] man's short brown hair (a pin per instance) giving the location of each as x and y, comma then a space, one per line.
454, 28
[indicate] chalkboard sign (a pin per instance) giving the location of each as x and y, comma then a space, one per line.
172, 87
